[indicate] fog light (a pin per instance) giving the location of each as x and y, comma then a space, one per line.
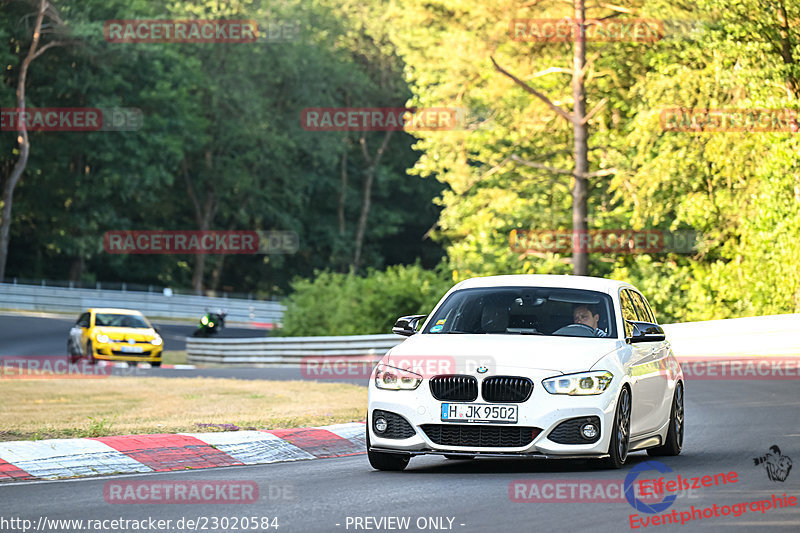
381, 425
589, 431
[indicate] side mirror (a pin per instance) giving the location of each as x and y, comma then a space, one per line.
643, 332
407, 325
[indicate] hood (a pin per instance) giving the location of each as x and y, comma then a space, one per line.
138, 334
465, 352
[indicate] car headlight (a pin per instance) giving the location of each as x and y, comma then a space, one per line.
583, 384
156, 341
102, 338
391, 378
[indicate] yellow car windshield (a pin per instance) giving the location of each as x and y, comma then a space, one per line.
119, 321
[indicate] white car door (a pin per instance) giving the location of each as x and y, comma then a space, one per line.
651, 379
643, 393
660, 356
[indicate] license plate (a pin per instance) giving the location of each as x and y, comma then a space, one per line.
479, 412
131, 349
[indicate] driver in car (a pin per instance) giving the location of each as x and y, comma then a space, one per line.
582, 314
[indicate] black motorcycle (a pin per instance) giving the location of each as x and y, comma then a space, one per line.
210, 324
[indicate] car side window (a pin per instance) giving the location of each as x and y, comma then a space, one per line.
641, 309
83, 320
650, 309
628, 311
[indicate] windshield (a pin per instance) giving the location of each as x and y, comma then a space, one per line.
120, 321
526, 311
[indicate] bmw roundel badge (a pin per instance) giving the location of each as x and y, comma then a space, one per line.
482, 370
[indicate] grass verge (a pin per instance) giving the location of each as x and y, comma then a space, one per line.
63, 408
173, 357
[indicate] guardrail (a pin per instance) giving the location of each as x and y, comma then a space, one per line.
765, 335
181, 306
774, 335
287, 350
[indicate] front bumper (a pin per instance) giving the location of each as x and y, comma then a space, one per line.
542, 411
113, 352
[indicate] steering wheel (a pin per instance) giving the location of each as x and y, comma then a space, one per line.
580, 330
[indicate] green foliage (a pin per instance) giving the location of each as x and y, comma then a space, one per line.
225, 118
738, 190
99, 427
346, 304
221, 119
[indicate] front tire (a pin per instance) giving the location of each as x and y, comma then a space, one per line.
621, 434
674, 441
90, 354
72, 353
390, 462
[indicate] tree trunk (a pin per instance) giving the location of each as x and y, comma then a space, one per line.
203, 214
366, 201
24, 142
786, 44
580, 256
217, 272
342, 193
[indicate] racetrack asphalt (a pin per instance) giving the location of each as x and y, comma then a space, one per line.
729, 423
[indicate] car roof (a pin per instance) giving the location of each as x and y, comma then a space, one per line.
609, 286
114, 310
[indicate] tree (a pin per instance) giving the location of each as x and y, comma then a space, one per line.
507, 169
46, 21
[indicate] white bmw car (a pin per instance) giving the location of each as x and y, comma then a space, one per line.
527, 366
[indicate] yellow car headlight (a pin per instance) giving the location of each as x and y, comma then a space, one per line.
157, 341
102, 338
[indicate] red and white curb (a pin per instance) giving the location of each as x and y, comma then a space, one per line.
127, 454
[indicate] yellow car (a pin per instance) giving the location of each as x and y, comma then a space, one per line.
114, 335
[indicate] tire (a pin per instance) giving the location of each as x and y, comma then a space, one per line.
459, 457
71, 355
155, 364
90, 354
621, 432
674, 441
390, 462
